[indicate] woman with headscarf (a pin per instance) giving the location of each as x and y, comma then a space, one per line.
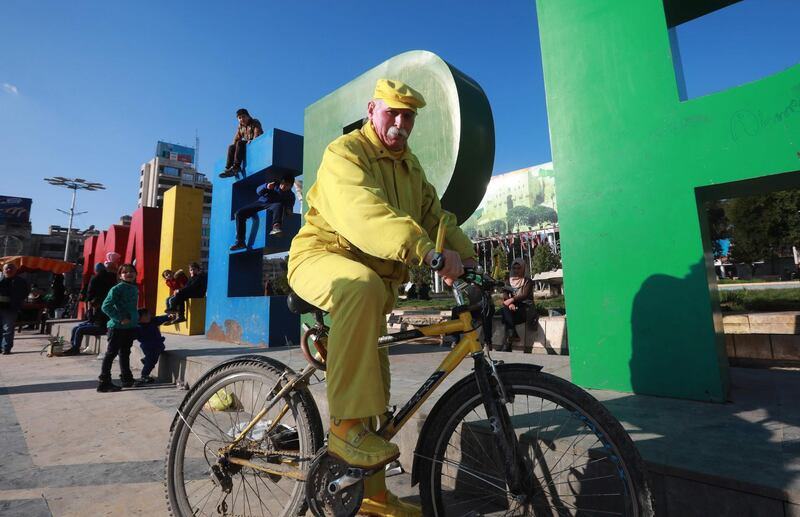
519, 297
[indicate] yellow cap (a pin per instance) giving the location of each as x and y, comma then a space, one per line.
398, 95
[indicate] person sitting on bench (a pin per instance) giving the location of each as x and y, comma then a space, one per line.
195, 288
95, 324
275, 198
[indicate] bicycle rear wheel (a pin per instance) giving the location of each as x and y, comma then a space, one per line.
579, 459
200, 482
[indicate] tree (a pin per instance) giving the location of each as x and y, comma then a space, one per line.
280, 284
541, 214
420, 274
544, 259
518, 216
765, 226
718, 224
499, 263
470, 227
496, 226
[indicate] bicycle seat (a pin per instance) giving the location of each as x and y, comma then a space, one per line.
299, 306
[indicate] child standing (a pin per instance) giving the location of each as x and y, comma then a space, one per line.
152, 343
120, 307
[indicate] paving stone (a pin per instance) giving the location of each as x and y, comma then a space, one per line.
686, 498
25, 508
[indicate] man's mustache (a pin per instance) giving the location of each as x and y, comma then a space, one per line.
394, 132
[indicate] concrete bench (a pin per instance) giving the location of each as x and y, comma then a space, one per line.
763, 338
547, 335
49, 324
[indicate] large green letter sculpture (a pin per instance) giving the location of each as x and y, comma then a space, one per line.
453, 136
633, 164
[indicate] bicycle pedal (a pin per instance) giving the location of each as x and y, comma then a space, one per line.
394, 468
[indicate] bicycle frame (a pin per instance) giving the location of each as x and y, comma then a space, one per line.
466, 346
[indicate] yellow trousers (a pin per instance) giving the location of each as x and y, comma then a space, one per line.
356, 297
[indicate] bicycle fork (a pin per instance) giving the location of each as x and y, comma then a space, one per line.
494, 399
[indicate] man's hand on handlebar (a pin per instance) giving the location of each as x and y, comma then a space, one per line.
452, 268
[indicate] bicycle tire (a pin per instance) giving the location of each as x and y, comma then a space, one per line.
459, 465
216, 410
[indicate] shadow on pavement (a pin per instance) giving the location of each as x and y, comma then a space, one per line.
49, 386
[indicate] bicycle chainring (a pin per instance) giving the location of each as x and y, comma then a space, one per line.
324, 469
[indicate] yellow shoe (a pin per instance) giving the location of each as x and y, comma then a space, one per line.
362, 448
393, 507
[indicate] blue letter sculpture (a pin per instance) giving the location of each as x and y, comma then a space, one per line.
237, 309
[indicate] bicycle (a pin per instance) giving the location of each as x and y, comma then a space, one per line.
507, 440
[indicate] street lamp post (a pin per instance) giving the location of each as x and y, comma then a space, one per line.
75, 185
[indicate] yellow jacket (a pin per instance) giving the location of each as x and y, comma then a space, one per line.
373, 206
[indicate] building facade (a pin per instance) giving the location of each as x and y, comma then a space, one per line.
528, 187
531, 192
175, 165
15, 224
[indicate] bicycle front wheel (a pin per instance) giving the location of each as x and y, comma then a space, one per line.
578, 458
203, 478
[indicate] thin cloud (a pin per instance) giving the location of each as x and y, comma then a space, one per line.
10, 88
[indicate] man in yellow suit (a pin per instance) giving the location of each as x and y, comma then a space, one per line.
371, 214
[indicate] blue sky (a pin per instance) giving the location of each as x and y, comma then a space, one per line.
88, 87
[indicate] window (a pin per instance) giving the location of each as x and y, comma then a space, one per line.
170, 171
188, 176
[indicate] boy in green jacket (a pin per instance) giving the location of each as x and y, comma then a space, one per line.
121, 307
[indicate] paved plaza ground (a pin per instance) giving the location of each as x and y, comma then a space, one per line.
68, 450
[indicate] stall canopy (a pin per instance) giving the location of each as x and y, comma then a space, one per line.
25, 264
